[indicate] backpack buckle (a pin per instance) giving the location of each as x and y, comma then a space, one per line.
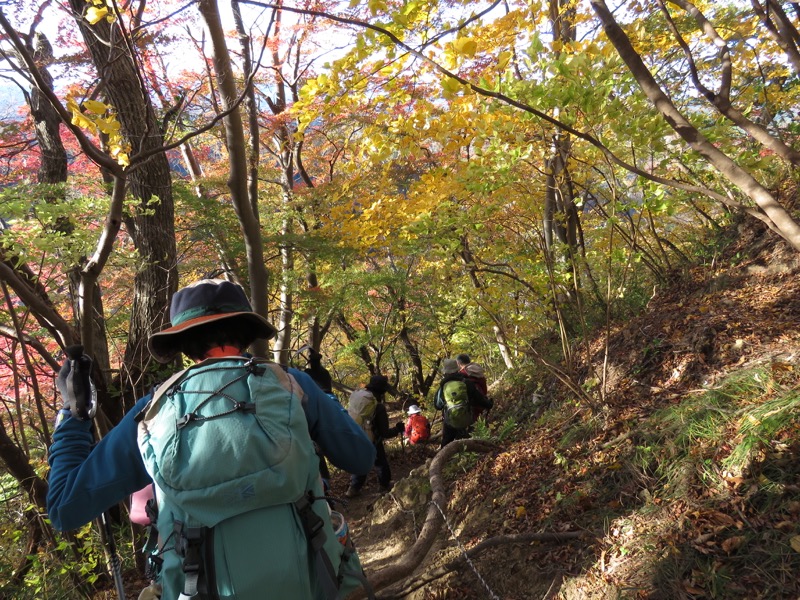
245, 407
185, 420
312, 522
188, 546
255, 367
152, 568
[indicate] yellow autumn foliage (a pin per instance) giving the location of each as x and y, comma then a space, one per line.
96, 117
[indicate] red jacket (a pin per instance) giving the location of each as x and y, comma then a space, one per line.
418, 428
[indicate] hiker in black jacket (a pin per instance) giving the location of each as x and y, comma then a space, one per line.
318, 373
457, 420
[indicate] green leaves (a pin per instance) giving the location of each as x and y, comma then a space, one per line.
376, 6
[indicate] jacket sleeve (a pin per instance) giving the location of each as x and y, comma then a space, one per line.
339, 438
87, 479
382, 429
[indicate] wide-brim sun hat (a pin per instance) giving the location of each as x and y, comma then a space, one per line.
204, 302
449, 366
414, 409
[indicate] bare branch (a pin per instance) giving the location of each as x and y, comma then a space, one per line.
721, 100
10, 332
92, 151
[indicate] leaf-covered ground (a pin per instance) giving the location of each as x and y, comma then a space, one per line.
645, 473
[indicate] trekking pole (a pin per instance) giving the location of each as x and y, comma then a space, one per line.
83, 407
116, 567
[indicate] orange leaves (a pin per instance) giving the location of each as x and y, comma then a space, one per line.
716, 524
732, 544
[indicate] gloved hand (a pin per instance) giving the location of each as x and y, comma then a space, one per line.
75, 384
400, 427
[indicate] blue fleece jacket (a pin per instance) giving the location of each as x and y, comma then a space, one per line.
86, 479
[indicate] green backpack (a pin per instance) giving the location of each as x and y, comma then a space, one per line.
457, 410
239, 496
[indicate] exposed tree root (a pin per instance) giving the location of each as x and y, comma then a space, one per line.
412, 558
501, 540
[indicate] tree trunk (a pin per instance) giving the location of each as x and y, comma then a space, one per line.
47, 121
152, 229
237, 156
283, 339
53, 170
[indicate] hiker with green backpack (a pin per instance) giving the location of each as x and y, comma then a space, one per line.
228, 443
457, 398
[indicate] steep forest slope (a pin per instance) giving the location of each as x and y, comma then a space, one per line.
681, 481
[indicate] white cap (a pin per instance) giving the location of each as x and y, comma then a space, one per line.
414, 409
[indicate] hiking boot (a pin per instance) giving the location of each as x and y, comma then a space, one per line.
352, 492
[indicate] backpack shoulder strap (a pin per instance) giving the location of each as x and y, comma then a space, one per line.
160, 390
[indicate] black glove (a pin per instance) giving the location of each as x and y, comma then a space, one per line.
75, 384
400, 427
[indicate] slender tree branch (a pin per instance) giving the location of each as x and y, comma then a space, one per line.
721, 100
31, 341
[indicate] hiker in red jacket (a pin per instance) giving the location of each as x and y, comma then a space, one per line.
418, 428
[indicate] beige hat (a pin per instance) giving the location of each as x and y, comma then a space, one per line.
449, 366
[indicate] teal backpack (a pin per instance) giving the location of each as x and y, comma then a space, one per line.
457, 410
240, 508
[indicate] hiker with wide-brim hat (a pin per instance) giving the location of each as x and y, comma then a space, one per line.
208, 318
196, 313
